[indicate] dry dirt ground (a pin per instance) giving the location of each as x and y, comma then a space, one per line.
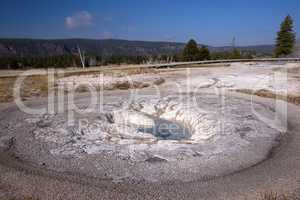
43, 158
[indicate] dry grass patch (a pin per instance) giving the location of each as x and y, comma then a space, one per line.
276, 196
24, 198
33, 86
272, 196
37, 85
112, 72
294, 99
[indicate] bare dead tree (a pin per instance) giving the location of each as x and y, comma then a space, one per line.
82, 57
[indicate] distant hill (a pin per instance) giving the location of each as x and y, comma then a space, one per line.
44, 48
261, 49
40, 48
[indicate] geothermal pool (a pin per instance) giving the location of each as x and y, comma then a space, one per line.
175, 137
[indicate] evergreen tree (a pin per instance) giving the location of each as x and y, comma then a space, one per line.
285, 41
204, 53
191, 51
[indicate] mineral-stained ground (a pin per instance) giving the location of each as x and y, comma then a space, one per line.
177, 135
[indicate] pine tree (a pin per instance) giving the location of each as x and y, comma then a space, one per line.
191, 51
285, 41
204, 53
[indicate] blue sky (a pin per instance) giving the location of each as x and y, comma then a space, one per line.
212, 22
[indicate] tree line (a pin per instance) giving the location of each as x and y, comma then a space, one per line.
192, 52
69, 60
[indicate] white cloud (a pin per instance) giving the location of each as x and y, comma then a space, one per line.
79, 19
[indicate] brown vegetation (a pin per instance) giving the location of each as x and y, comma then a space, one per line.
33, 86
269, 94
37, 85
